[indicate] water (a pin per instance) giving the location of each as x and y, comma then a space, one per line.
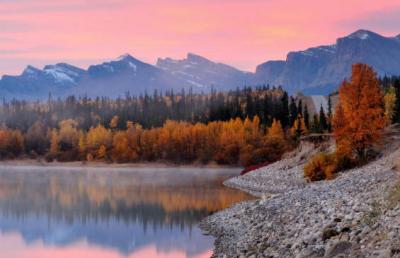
99, 212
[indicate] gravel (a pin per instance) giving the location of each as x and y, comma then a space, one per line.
350, 216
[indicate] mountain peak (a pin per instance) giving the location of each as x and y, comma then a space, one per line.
363, 34
195, 57
125, 57
31, 70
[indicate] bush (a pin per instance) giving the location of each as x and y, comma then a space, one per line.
322, 166
344, 162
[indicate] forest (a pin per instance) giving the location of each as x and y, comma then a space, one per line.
245, 127
236, 127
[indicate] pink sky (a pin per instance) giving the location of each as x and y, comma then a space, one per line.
242, 33
13, 246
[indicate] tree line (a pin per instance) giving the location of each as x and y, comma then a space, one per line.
245, 126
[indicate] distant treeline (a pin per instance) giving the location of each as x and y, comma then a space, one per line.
151, 110
246, 126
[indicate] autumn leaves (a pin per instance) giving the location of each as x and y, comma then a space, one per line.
232, 142
358, 122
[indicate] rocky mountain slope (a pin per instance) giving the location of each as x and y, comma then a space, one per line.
203, 73
319, 70
354, 215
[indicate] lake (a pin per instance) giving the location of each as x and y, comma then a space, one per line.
51, 212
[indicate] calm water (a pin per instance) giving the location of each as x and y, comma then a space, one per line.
98, 212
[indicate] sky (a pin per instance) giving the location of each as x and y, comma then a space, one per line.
241, 33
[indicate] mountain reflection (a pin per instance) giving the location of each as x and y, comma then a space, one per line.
120, 209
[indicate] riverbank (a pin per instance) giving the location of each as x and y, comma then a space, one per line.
355, 215
102, 164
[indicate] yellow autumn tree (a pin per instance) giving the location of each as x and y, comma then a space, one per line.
68, 135
230, 141
96, 138
53, 143
389, 100
299, 128
82, 145
276, 130
101, 152
114, 122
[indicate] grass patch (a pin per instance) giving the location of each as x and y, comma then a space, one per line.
371, 217
394, 196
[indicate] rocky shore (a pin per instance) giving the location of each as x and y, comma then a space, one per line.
355, 215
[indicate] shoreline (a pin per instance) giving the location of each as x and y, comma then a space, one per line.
349, 216
102, 164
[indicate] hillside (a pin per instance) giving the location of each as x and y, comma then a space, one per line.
354, 215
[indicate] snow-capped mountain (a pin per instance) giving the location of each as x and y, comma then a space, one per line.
33, 83
127, 74
314, 71
63, 73
114, 78
320, 70
200, 72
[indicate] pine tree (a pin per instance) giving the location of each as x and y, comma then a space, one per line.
329, 122
306, 117
315, 125
299, 128
396, 115
300, 107
293, 112
284, 114
322, 119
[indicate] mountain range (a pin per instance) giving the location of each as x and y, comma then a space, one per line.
314, 71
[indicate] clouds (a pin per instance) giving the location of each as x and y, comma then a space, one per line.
238, 32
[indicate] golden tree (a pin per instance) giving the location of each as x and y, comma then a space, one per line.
299, 127
359, 117
54, 148
390, 100
276, 130
98, 137
114, 122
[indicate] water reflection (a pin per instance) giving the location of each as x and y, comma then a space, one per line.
120, 210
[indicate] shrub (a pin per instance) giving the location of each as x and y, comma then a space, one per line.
322, 166
343, 161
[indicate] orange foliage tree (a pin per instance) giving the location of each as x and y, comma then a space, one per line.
359, 117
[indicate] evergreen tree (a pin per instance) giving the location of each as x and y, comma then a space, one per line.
329, 122
396, 115
315, 126
284, 114
300, 107
250, 109
322, 119
306, 117
293, 111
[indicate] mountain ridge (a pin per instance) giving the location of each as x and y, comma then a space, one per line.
315, 70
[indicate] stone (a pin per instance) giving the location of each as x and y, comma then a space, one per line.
329, 233
339, 248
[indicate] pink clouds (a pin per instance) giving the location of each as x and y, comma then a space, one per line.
238, 32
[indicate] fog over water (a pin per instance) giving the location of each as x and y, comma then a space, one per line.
118, 212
